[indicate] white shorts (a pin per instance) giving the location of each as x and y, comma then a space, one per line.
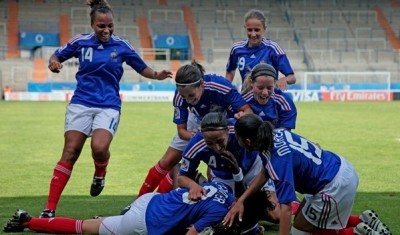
331, 207
86, 120
248, 178
177, 143
133, 222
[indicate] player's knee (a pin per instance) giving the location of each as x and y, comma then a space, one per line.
170, 159
70, 155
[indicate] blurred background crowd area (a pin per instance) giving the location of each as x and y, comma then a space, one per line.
337, 41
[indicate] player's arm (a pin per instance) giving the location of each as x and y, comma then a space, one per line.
238, 207
195, 190
284, 81
152, 74
192, 231
245, 109
230, 75
54, 64
184, 133
285, 219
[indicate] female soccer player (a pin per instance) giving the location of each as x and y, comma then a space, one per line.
153, 213
328, 181
246, 54
270, 104
196, 94
230, 163
95, 107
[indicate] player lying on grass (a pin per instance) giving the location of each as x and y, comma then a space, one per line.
153, 213
294, 163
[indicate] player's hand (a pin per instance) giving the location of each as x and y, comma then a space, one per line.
163, 74
239, 114
55, 66
196, 192
282, 83
195, 131
237, 209
233, 164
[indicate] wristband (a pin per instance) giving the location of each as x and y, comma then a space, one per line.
239, 176
155, 75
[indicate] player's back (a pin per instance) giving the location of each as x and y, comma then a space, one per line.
173, 213
312, 167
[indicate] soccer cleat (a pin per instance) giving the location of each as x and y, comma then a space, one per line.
15, 224
97, 186
371, 218
47, 213
364, 229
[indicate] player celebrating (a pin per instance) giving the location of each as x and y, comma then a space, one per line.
246, 54
228, 162
270, 104
195, 96
153, 213
95, 107
328, 181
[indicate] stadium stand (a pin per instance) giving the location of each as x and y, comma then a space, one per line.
340, 35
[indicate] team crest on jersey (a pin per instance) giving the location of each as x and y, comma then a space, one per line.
185, 165
113, 56
177, 112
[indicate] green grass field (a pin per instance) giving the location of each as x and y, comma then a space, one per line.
31, 140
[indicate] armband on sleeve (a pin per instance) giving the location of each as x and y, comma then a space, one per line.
239, 176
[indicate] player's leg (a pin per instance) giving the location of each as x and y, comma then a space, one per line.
171, 157
105, 124
73, 144
58, 225
166, 184
78, 125
133, 221
330, 209
100, 144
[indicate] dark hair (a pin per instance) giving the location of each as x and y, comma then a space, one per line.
221, 229
190, 74
214, 121
258, 70
101, 6
260, 133
263, 69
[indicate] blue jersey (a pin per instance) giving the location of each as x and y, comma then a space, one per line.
297, 164
245, 58
100, 68
279, 110
172, 213
218, 91
197, 151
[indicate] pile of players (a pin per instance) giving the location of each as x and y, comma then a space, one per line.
244, 137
